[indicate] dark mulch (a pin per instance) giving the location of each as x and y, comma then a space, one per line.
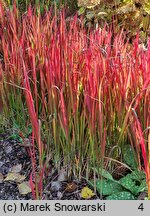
11, 154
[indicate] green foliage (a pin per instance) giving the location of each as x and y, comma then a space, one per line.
124, 195
129, 184
137, 175
15, 136
107, 187
23, 4
105, 174
18, 133
134, 182
128, 187
129, 157
43, 4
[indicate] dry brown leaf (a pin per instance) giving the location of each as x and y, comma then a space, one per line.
88, 3
15, 177
71, 187
24, 188
1, 178
126, 9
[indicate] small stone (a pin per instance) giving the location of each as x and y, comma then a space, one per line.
62, 175
4, 169
142, 196
56, 185
17, 168
1, 163
59, 195
8, 149
10, 197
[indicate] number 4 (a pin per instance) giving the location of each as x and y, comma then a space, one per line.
141, 207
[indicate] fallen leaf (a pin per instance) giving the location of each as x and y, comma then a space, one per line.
126, 9
14, 177
87, 193
71, 187
101, 13
1, 178
88, 3
24, 188
17, 168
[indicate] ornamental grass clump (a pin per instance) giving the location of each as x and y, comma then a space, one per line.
78, 90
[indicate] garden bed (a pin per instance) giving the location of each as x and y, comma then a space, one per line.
13, 155
15, 158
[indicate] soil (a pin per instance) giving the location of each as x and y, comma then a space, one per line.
11, 154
